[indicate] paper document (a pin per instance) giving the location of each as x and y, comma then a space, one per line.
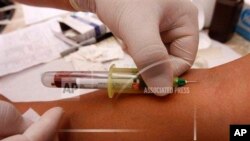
30, 46
100, 57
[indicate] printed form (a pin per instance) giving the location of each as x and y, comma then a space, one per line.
29, 47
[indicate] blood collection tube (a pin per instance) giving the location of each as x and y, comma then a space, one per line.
117, 80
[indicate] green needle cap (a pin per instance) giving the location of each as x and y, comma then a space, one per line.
179, 82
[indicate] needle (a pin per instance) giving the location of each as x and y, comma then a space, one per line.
191, 81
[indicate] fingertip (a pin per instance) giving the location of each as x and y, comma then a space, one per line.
159, 79
54, 113
58, 110
164, 90
46, 126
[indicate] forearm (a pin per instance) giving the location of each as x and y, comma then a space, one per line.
223, 99
155, 118
60, 4
220, 98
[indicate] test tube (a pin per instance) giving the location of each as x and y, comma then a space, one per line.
117, 80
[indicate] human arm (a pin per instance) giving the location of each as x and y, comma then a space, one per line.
220, 98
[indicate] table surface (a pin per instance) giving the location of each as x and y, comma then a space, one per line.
239, 44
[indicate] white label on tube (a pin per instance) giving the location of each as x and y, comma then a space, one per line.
91, 83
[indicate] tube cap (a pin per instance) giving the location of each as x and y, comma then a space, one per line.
48, 79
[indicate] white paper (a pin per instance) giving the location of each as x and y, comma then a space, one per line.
37, 14
214, 56
84, 65
100, 57
100, 54
31, 115
30, 46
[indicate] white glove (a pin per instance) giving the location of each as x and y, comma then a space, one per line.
160, 35
13, 127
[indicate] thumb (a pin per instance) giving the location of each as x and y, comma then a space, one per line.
11, 121
150, 54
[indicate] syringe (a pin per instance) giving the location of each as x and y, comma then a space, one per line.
117, 80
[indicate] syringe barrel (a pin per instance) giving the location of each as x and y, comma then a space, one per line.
117, 80
124, 80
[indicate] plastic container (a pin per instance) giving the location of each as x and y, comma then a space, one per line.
225, 18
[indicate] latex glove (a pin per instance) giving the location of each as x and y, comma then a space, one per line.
15, 128
161, 35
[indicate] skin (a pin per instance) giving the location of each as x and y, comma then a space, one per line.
220, 98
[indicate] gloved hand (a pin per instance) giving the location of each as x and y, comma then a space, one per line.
14, 127
160, 35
